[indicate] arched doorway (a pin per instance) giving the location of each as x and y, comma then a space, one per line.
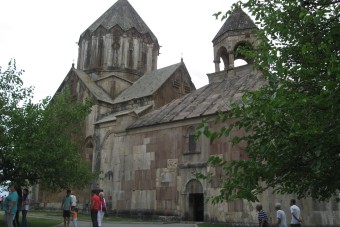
195, 198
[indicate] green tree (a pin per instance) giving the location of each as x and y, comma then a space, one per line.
292, 123
41, 142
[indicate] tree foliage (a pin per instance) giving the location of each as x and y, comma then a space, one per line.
40, 142
292, 124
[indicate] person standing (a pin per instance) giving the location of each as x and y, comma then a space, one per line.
2, 201
94, 208
74, 200
295, 211
280, 216
25, 207
102, 208
66, 207
262, 216
16, 222
11, 205
74, 212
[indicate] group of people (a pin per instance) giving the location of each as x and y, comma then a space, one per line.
98, 208
97, 204
280, 215
13, 204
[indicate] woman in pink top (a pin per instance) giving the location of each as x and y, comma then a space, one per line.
102, 208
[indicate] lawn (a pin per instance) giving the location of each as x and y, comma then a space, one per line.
224, 224
34, 222
213, 225
81, 216
45, 218
53, 218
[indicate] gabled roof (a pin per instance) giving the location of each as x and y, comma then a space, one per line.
238, 20
113, 117
148, 84
205, 101
125, 16
94, 89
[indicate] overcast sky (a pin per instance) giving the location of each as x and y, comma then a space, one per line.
42, 34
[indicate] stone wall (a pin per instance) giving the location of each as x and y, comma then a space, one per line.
151, 171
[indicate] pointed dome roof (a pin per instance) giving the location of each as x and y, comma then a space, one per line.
238, 20
125, 16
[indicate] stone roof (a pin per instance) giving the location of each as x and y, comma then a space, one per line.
148, 84
125, 16
94, 89
113, 117
238, 20
205, 101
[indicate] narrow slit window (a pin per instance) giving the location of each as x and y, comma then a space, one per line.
192, 143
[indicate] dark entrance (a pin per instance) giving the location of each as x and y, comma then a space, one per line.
196, 206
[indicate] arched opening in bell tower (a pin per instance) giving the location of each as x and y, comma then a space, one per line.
239, 53
233, 57
222, 54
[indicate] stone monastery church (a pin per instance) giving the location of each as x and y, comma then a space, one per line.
140, 133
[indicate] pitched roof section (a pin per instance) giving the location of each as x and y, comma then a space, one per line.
125, 16
238, 20
148, 84
113, 117
94, 89
205, 101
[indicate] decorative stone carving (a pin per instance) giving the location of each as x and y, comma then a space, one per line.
172, 163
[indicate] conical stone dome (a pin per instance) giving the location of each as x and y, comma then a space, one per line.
118, 41
122, 14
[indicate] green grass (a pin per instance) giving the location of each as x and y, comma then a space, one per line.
54, 218
40, 218
213, 225
83, 217
34, 222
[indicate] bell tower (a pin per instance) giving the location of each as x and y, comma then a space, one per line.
238, 30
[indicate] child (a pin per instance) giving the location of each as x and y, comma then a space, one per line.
74, 212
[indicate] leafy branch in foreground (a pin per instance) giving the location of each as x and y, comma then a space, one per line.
292, 124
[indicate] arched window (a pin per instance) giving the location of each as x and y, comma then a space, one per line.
191, 143
100, 52
88, 55
88, 149
130, 55
73, 88
115, 48
144, 61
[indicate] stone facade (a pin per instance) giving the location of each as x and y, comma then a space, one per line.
140, 133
